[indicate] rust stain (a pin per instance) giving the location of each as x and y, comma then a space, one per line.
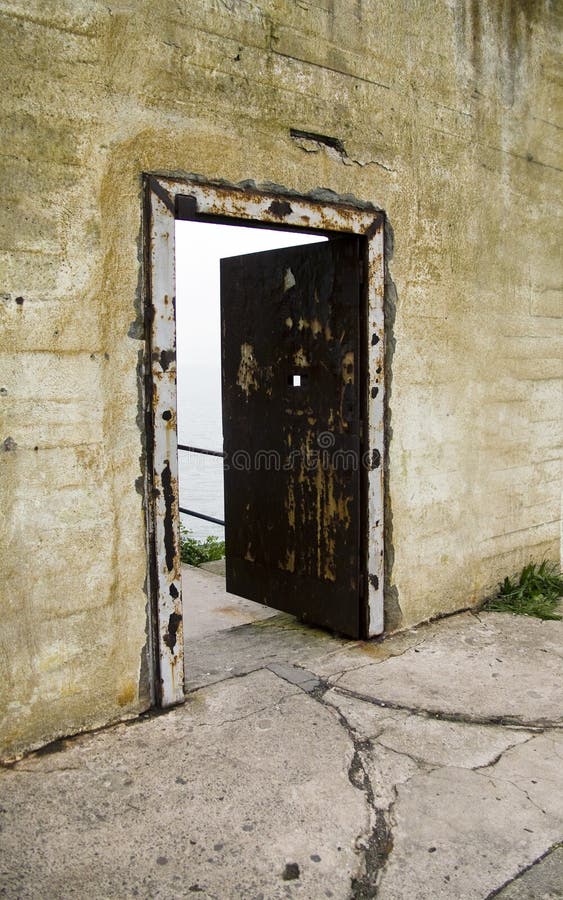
348, 367
127, 694
232, 611
247, 375
288, 565
290, 503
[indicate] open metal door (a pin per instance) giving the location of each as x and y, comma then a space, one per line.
290, 324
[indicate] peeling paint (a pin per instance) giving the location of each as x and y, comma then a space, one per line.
300, 359
288, 280
171, 635
247, 370
169, 498
164, 570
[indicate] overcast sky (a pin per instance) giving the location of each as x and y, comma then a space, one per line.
199, 248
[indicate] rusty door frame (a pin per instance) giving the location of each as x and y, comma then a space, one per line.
168, 199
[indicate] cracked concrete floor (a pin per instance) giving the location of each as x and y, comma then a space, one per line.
302, 765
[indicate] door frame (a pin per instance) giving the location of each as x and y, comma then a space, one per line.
165, 200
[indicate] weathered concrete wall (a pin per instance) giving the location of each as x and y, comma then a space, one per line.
448, 113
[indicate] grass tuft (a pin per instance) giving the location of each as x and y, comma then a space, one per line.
196, 552
535, 593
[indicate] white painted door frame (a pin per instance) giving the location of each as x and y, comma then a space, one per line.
167, 199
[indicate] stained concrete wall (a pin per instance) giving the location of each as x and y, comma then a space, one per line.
448, 113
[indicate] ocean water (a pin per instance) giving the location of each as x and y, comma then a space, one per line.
199, 425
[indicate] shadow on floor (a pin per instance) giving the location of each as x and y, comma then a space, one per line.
226, 635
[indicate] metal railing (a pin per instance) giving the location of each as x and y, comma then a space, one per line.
191, 512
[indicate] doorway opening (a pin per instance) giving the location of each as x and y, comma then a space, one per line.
199, 249
301, 399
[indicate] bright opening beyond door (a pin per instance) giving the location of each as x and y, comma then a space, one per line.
200, 246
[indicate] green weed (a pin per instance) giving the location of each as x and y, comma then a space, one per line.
535, 593
196, 552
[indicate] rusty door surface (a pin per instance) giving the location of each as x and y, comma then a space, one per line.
290, 322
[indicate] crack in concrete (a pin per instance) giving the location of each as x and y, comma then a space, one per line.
328, 68
527, 158
378, 738
249, 715
503, 721
297, 676
18, 766
222, 680
334, 679
335, 149
517, 787
500, 755
377, 846
418, 760
557, 846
